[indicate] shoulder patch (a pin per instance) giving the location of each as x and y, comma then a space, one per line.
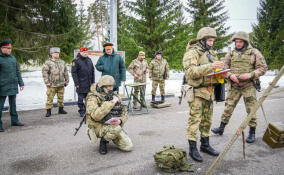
73, 63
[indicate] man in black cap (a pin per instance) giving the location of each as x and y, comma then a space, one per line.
112, 64
10, 79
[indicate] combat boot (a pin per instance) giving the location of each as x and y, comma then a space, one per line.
103, 146
206, 148
162, 98
17, 124
48, 113
220, 130
251, 137
1, 129
61, 111
193, 152
153, 98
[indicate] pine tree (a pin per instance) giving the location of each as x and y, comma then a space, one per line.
268, 34
209, 13
156, 26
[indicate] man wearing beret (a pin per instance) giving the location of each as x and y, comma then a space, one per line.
10, 79
112, 64
83, 77
138, 68
55, 75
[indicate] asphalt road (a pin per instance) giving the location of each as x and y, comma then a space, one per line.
47, 145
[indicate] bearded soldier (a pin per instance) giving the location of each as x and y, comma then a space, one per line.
247, 66
55, 75
138, 68
198, 61
106, 116
159, 72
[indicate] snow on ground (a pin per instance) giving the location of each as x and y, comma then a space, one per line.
34, 94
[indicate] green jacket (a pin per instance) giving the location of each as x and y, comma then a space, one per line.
112, 65
10, 76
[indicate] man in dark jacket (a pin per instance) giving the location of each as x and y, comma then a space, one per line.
83, 76
10, 79
112, 64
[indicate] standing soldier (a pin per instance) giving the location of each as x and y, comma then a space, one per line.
198, 61
10, 79
106, 116
83, 77
138, 68
247, 66
112, 64
55, 75
159, 72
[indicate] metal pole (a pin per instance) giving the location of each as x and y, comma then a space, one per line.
113, 22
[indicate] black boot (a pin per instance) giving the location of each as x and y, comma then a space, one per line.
48, 113
163, 98
219, 130
251, 137
17, 124
1, 129
153, 98
61, 111
205, 147
103, 146
193, 152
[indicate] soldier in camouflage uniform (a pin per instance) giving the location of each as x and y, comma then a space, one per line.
159, 72
98, 108
198, 61
55, 75
247, 65
138, 68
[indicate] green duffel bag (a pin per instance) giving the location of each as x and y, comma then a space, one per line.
171, 159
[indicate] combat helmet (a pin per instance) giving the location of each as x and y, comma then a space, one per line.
241, 35
106, 80
206, 32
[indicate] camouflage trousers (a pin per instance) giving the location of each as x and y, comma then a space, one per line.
234, 95
51, 91
142, 95
117, 135
161, 84
200, 117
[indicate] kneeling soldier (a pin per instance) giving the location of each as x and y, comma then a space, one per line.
106, 116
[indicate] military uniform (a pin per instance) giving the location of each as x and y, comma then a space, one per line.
55, 73
138, 68
245, 60
98, 108
83, 76
158, 71
197, 64
10, 80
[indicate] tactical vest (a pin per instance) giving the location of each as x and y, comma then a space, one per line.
204, 58
241, 62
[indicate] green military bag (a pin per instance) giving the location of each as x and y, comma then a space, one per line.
171, 159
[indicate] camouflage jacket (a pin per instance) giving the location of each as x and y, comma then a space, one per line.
158, 68
140, 69
55, 72
197, 66
247, 61
97, 108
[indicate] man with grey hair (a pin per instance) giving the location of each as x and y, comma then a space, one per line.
55, 75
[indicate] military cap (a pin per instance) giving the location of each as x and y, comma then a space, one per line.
83, 49
141, 53
108, 45
106, 80
158, 53
7, 43
54, 49
241, 35
206, 32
